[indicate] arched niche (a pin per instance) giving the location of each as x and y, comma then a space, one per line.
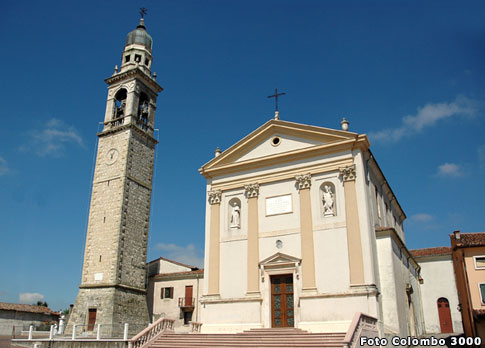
234, 214
328, 199
120, 103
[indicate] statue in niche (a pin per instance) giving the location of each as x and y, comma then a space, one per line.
235, 216
328, 201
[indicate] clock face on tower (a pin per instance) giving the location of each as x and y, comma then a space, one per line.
111, 156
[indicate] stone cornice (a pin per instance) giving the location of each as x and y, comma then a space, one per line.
208, 300
117, 129
283, 174
112, 285
134, 73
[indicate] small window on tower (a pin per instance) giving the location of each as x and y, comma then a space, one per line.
147, 61
137, 58
127, 58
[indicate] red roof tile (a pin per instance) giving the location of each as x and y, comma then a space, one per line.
18, 307
471, 239
431, 251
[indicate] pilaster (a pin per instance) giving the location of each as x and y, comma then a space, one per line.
354, 243
252, 193
214, 244
306, 230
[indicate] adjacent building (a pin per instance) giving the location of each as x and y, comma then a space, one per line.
441, 309
468, 254
174, 291
21, 316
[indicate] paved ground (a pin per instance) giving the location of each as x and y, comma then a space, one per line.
5, 342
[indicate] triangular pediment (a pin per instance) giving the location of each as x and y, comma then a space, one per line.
278, 139
280, 259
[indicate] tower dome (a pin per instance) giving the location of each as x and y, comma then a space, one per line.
140, 36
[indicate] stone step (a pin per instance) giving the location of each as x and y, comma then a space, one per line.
230, 344
254, 338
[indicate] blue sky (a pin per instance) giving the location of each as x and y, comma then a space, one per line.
407, 73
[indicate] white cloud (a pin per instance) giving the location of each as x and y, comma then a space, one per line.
52, 138
189, 254
422, 217
427, 116
450, 170
30, 297
3, 166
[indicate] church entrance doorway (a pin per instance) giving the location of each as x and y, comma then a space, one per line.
282, 303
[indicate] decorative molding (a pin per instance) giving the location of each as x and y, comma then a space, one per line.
251, 190
348, 173
215, 197
304, 181
136, 72
208, 300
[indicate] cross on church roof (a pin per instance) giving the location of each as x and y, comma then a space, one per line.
143, 11
275, 96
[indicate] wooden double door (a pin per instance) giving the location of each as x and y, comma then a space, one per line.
282, 301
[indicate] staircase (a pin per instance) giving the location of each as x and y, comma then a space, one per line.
271, 338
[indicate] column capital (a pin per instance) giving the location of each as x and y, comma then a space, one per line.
303, 181
251, 190
215, 197
347, 172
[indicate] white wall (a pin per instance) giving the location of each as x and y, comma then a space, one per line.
439, 281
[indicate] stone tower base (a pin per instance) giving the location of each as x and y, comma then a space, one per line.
114, 306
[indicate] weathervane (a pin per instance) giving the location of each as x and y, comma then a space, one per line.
275, 96
143, 11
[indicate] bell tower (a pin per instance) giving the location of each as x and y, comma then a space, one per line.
113, 285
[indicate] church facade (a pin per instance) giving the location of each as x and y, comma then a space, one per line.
303, 230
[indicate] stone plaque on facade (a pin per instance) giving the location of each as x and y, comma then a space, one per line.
279, 205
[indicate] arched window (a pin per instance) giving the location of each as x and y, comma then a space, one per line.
444, 315
234, 217
120, 103
328, 199
143, 108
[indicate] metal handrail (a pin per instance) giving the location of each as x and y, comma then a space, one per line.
186, 301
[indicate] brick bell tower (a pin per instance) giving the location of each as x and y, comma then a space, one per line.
113, 286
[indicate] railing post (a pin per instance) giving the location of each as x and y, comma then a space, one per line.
98, 332
74, 331
51, 332
125, 332
31, 329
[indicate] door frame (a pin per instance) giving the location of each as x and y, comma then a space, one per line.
283, 303
279, 264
